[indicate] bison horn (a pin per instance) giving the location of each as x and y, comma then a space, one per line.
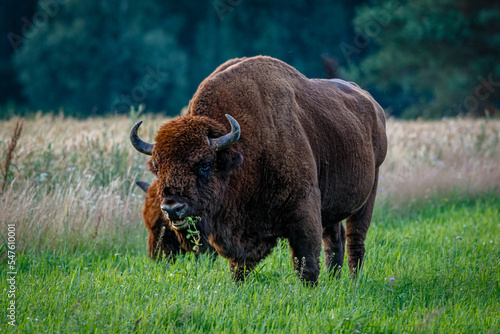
138, 143
143, 185
228, 139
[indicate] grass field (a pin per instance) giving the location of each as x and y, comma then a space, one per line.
432, 263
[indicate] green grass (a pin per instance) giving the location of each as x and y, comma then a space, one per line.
431, 269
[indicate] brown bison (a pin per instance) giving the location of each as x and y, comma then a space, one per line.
162, 241
301, 155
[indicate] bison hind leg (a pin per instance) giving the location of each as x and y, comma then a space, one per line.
334, 242
356, 229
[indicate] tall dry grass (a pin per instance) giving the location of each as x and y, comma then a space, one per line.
73, 181
450, 157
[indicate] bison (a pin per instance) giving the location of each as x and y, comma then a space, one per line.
162, 241
301, 155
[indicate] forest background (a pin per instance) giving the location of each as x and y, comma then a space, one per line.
419, 58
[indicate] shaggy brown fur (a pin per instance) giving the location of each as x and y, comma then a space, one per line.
308, 157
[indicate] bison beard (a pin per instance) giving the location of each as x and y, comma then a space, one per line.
308, 158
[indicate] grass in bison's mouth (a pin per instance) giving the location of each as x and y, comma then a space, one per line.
189, 224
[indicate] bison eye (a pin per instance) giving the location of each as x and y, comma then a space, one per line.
204, 170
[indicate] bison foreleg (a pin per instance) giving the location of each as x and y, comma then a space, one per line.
334, 242
305, 239
305, 256
356, 229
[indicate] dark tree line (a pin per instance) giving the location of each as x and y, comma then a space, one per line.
419, 58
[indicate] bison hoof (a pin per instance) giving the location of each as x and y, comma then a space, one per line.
238, 273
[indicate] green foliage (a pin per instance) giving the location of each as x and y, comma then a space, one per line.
432, 58
428, 270
192, 232
419, 58
96, 57
293, 31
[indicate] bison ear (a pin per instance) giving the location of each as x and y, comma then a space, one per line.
153, 166
229, 160
237, 160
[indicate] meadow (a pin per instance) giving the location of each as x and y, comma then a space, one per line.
432, 263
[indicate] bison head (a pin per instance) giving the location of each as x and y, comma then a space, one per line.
193, 160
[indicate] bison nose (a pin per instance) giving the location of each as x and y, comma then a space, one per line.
174, 211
